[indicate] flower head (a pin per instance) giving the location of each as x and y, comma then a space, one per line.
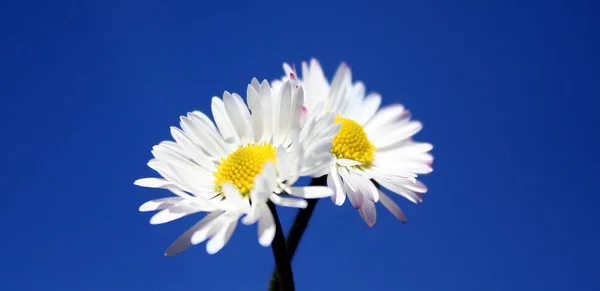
231, 168
373, 147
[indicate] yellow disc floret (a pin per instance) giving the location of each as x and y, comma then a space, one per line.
352, 143
241, 167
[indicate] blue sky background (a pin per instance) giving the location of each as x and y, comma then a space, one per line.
507, 90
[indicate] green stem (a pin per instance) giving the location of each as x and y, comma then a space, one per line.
283, 266
297, 230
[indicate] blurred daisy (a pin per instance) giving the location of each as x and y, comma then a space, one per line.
373, 145
233, 169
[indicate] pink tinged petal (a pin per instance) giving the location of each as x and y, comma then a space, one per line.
348, 163
266, 226
368, 213
417, 187
223, 122
311, 192
159, 204
334, 182
365, 187
185, 240
220, 239
369, 108
288, 202
392, 207
384, 116
397, 187
356, 199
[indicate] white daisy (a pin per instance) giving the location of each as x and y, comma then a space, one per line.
373, 144
233, 169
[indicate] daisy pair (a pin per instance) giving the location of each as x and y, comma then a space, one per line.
252, 154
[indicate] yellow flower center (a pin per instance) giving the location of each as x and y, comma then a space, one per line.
352, 143
241, 167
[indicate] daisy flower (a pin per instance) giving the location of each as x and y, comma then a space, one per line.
374, 145
231, 168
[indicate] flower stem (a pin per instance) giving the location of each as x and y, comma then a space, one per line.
283, 266
297, 230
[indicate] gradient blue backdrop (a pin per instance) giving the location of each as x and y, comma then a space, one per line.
508, 92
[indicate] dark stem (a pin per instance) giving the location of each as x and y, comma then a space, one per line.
283, 266
298, 228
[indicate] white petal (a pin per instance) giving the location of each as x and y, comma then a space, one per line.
311, 192
315, 82
239, 116
260, 191
288, 202
223, 122
234, 197
369, 108
334, 182
400, 134
159, 204
417, 187
392, 206
173, 213
191, 149
368, 212
251, 217
152, 183
284, 164
256, 118
397, 187
204, 134
356, 199
348, 163
267, 111
211, 228
266, 226
364, 186
281, 114
220, 239
184, 241
384, 116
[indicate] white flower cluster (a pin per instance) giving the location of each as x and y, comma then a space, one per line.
254, 152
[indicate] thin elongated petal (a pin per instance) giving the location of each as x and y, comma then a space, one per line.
152, 183
392, 206
288, 202
311, 192
184, 241
159, 204
220, 239
266, 226
368, 212
223, 122
334, 182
